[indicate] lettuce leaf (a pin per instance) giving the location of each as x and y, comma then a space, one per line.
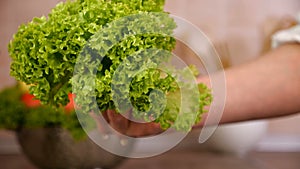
45, 51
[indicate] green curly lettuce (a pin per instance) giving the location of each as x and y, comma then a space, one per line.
14, 115
45, 51
11, 108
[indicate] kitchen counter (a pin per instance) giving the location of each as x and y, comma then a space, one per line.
187, 155
188, 159
210, 160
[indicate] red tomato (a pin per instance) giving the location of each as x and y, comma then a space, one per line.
70, 106
29, 101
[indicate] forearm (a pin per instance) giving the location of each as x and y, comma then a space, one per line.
267, 87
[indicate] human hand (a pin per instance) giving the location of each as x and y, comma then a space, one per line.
125, 126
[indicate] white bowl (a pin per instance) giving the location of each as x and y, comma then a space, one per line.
237, 138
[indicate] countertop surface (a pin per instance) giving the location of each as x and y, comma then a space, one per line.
181, 159
187, 155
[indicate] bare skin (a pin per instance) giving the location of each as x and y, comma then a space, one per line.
267, 87
264, 88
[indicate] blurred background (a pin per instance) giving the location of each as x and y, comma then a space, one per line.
240, 31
